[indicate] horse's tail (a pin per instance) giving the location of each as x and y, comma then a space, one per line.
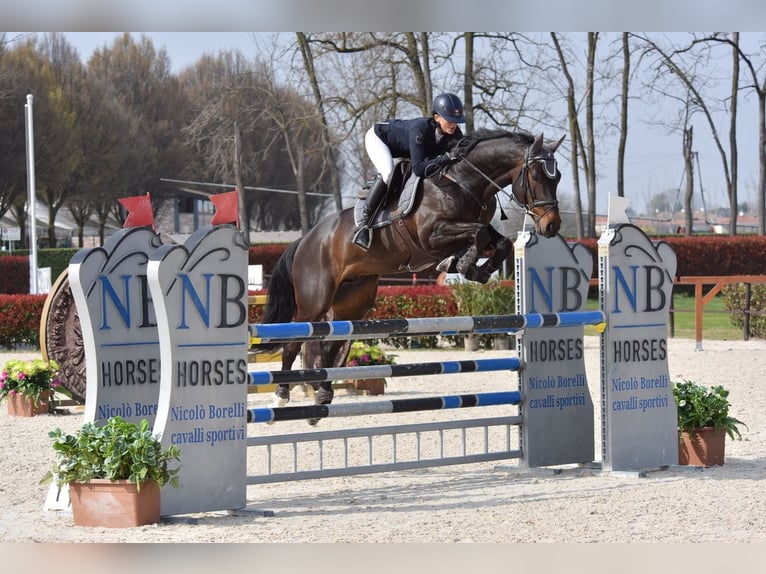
280, 303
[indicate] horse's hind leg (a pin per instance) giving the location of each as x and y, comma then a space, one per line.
333, 354
289, 353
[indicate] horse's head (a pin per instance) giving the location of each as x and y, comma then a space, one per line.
493, 160
535, 186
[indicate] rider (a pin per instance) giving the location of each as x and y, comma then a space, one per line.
425, 141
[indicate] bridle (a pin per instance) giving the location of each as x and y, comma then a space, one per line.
520, 186
550, 169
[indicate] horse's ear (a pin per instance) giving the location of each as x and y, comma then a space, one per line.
555, 146
537, 145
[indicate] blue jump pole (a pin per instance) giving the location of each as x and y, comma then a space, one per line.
344, 330
268, 415
383, 371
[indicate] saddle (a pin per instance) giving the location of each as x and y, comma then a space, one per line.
403, 190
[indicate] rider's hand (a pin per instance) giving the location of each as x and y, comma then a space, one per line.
449, 158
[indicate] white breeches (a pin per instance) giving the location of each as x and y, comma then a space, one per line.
380, 155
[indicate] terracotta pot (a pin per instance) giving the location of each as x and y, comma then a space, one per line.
702, 447
114, 504
21, 406
371, 386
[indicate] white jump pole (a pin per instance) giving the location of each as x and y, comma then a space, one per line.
31, 199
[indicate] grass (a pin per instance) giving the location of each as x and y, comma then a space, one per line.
716, 322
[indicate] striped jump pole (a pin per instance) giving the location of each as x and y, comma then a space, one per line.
344, 330
268, 415
383, 371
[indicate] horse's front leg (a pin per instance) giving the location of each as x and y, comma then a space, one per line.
502, 249
466, 265
450, 236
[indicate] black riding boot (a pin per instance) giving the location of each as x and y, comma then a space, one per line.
363, 233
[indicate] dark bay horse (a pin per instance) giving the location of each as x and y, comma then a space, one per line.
323, 276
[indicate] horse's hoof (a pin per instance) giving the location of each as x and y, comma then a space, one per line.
324, 397
468, 271
483, 277
280, 400
312, 422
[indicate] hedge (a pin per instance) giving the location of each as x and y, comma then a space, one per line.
699, 255
20, 320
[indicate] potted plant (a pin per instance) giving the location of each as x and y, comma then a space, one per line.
114, 472
365, 354
703, 423
28, 386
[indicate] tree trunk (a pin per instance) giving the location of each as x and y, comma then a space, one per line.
329, 149
590, 174
623, 115
244, 220
733, 136
689, 168
574, 130
468, 84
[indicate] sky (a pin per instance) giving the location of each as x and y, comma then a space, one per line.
183, 48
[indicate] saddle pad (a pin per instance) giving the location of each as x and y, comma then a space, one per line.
403, 205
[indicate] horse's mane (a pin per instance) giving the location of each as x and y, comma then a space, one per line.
465, 145
486, 134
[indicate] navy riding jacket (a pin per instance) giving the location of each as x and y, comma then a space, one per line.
416, 140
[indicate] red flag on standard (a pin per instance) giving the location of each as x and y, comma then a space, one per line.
139, 211
226, 208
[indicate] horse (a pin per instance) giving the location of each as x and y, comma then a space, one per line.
323, 276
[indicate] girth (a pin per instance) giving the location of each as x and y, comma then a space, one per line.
419, 258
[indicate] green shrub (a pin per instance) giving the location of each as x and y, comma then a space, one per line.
119, 450
475, 299
700, 407
734, 300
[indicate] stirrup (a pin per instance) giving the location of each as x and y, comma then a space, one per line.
362, 238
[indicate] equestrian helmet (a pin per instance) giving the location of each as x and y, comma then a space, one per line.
449, 107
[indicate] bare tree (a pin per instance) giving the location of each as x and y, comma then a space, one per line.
279, 143
294, 132
222, 88
688, 152
327, 139
684, 64
733, 107
590, 174
624, 100
574, 130
753, 68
